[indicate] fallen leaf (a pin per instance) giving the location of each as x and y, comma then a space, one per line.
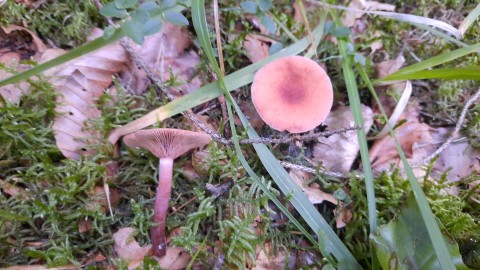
128, 249
389, 66
80, 82
338, 152
314, 195
12, 92
176, 258
36, 40
376, 45
255, 48
13, 190
265, 260
85, 225
161, 52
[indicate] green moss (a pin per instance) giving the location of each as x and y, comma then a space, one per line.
66, 23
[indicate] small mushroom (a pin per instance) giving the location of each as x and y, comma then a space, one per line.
292, 93
167, 145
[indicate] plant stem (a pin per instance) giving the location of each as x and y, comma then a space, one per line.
164, 188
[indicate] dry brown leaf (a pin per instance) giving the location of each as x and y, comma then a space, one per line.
85, 225
460, 158
338, 152
390, 66
12, 92
80, 82
351, 17
36, 40
267, 261
314, 195
162, 51
252, 115
127, 247
13, 190
256, 49
376, 45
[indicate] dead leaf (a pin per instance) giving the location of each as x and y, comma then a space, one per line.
376, 45
252, 115
85, 225
128, 249
390, 66
339, 151
36, 40
265, 260
256, 49
161, 52
351, 17
314, 195
12, 92
80, 82
176, 258
13, 190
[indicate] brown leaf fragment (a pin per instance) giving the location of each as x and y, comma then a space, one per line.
36, 40
267, 260
256, 49
338, 152
163, 52
314, 195
389, 66
127, 247
12, 92
85, 225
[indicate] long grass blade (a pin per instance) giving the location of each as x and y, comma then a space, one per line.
429, 219
469, 20
468, 73
434, 61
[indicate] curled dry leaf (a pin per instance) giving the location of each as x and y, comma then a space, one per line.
128, 249
162, 51
36, 40
316, 196
338, 152
256, 48
414, 137
79, 83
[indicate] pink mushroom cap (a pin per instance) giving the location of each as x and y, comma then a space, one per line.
292, 93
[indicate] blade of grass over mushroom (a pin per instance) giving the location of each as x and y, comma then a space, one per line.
77, 52
433, 61
210, 91
355, 105
429, 219
329, 241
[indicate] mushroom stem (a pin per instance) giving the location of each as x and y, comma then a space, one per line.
164, 189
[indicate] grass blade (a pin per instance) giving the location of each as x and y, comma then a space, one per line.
434, 61
468, 73
469, 20
429, 219
355, 106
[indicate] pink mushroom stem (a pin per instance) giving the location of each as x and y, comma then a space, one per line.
164, 189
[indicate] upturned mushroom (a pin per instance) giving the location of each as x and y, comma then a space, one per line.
292, 93
167, 145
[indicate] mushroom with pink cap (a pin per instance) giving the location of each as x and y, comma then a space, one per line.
292, 93
167, 145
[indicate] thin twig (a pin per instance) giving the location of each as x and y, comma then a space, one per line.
455, 132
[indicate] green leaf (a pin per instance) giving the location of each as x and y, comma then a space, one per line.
264, 5
401, 244
149, 6
108, 32
121, 4
133, 30
141, 16
152, 26
268, 23
167, 4
176, 18
341, 31
249, 6
111, 10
